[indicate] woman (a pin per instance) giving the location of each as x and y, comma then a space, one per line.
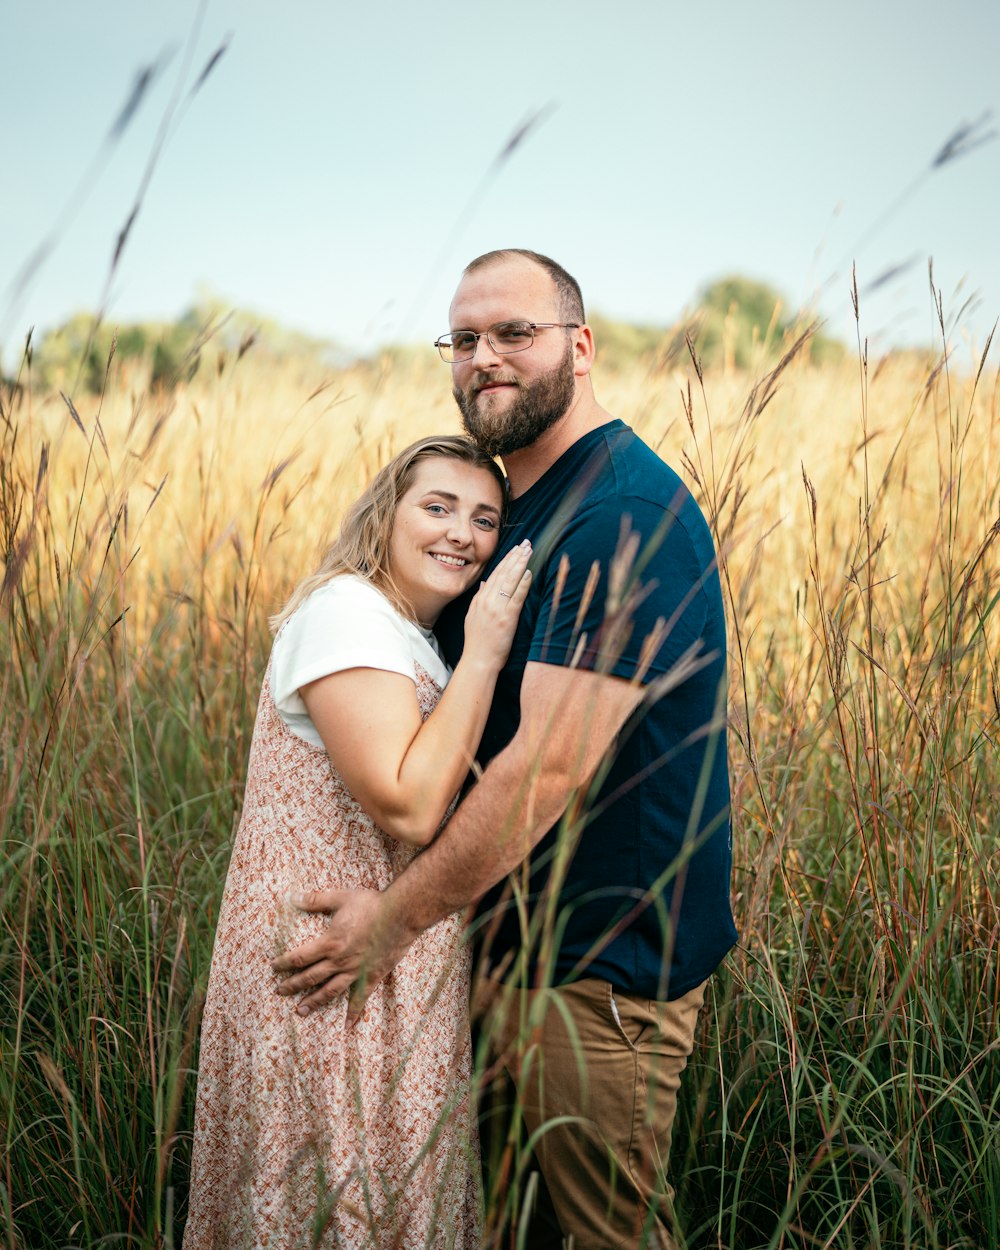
308, 1133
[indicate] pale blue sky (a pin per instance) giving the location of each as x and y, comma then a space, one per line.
334, 170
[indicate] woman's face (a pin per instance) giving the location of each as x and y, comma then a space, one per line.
447, 527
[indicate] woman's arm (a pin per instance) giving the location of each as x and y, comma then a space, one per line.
403, 770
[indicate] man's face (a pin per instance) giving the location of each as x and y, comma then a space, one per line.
508, 402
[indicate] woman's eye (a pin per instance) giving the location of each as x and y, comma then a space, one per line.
486, 523
436, 509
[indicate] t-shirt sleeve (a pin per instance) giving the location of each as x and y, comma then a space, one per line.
340, 626
623, 592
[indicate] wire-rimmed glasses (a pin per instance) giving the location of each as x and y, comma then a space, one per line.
505, 338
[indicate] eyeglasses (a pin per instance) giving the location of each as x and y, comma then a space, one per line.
506, 338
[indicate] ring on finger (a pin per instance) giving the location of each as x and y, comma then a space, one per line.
504, 594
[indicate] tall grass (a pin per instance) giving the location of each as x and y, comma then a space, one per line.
845, 1088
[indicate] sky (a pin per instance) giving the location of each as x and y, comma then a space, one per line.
342, 162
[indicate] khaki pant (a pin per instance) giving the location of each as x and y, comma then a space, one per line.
612, 1064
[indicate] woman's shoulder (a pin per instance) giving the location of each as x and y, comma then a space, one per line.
350, 616
349, 602
349, 588
345, 623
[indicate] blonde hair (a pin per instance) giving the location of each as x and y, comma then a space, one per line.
362, 547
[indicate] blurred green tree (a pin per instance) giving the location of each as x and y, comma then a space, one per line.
739, 319
737, 322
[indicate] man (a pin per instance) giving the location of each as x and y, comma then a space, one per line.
605, 762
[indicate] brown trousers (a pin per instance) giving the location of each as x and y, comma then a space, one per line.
606, 1067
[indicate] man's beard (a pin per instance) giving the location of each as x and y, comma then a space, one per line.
537, 407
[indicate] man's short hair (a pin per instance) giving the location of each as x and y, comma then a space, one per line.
570, 295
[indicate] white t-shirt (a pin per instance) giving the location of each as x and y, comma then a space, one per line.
345, 623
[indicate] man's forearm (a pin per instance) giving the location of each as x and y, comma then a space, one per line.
569, 721
494, 828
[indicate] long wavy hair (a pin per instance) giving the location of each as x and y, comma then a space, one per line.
362, 546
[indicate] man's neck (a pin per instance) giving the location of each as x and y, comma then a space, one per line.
525, 467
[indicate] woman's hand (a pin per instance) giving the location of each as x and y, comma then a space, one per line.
494, 611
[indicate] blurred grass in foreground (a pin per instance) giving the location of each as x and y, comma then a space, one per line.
845, 1092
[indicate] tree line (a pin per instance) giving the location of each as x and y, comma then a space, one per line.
735, 320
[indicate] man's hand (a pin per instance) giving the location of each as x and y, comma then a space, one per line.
356, 949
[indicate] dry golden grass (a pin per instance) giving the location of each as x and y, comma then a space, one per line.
264, 459
846, 1089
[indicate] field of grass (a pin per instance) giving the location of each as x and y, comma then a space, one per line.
846, 1087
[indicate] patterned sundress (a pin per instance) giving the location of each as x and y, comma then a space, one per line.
309, 1133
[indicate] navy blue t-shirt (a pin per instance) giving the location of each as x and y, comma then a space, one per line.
624, 582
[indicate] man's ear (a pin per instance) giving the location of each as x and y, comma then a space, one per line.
583, 351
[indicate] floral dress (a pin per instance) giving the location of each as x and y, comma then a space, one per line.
309, 1133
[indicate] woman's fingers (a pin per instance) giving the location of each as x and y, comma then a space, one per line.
516, 578
520, 591
510, 569
494, 612
510, 576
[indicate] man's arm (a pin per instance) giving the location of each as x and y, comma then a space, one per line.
569, 721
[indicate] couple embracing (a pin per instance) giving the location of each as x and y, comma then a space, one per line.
584, 682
